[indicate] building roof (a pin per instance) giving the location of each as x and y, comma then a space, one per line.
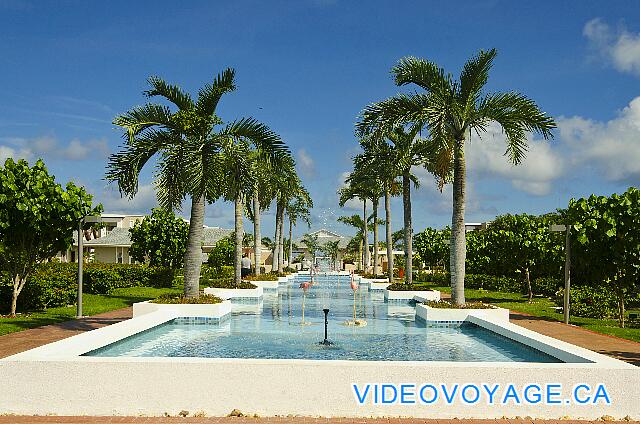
325, 236
120, 237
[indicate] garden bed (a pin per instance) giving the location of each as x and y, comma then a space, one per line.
210, 310
440, 314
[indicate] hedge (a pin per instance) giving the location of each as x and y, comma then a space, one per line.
55, 284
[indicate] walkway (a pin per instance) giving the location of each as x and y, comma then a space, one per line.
623, 349
13, 343
272, 420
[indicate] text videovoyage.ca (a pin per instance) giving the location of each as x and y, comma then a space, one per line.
486, 393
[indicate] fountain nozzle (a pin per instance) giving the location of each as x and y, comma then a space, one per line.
326, 342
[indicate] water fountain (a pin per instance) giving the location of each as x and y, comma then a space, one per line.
326, 342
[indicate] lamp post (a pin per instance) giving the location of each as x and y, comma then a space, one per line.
567, 267
81, 258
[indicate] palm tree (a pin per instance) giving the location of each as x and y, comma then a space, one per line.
296, 209
260, 200
188, 142
357, 222
332, 248
287, 186
366, 176
312, 245
356, 189
451, 109
237, 159
379, 157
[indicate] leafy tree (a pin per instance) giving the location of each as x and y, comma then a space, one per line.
522, 244
451, 109
37, 218
606, 242
223, 253
161, 238
432, 246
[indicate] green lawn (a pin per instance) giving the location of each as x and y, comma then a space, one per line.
543, 307
92, 304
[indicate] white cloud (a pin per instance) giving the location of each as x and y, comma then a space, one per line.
142, 203
620, 47
306, 163
612, 147
542, 164
49, 147
10, 152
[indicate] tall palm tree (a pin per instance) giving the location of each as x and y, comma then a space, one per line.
312, 245
368, 179
355, 189
296, 209
357, 222
258, 202
450, 109
379, 157
332, 248
237, 158
188, 143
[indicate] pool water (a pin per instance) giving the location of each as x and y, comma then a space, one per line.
273, 328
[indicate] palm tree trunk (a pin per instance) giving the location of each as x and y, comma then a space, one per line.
375, 236
365, 236
290, 241
387, 211
275, 253
257, 243
193, 254
408, 231
360, 261
458, 239
237, 263
281, 242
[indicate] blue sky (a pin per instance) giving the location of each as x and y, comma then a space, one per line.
307, 68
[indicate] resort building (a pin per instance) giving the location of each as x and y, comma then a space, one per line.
110, 241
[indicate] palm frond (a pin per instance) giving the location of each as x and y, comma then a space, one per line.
173, 93
474, 76
426, 74
517, 115
210, 94
143, 117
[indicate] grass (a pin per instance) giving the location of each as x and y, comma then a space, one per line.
541, 307
92, 304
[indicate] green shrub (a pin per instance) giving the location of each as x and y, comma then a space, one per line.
209, 272
443, 304
222, 253
547, 286
173, 299
261, 277
55, 284
590, 302
228, 283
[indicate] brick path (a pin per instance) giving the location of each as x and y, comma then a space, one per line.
623, 349
272, 420
13, 343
